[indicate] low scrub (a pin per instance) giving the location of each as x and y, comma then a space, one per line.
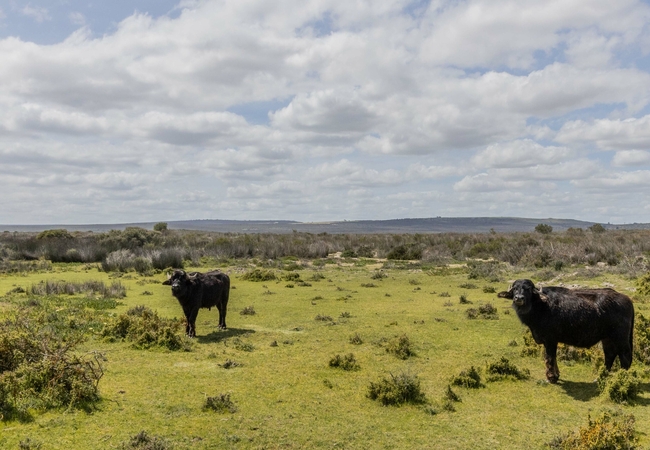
504, 369
609, 431
248, 311
397, 390
487, 311
470, 378
400, 346
347, 362
642, 339
146, 330
220, 403
90, 288
40, 369
620, 386
143, 441
259, 275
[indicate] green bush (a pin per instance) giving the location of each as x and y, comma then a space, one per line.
504, 369
38, 366
400, 346
397, 390
259, 275
142, 441
469, 378
620, 386
347, 362
145, 330
642, 339
221, 404
609, 431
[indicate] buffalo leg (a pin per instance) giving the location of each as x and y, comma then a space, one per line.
552, 370
610, 351
192, 322
222, 317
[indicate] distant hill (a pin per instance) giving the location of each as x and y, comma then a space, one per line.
426, 225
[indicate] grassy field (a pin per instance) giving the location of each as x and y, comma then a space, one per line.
286, 394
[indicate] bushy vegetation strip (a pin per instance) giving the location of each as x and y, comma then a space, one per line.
143, 250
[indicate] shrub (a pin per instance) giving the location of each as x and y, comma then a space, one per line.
38, 366
167, 257
405, 252
469, 378
463, 300
347, 362
355, 339
160, 226
468, 286
323, 318
504, 369
248, 311
145, 330
609, 431
620, 386
142, 441
530, 348
259, 275
229, 364
642, 339
90, 288
597, 228
397, 390
543, 228
488, 270
488, 311
243, 346
378, 275
400, 346
221, 404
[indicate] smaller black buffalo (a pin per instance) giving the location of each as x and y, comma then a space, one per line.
577, 317
196, 290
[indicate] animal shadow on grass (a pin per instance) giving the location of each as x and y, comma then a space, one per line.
218, 336
580, 390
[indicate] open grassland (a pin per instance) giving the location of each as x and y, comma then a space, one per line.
273, 364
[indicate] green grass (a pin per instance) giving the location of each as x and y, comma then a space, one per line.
287, 396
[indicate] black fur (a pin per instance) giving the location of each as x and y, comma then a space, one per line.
197, 290
577, 317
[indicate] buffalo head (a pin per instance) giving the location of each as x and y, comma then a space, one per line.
179, 280
522, 293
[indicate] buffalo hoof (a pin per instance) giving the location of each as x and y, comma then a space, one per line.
553, 379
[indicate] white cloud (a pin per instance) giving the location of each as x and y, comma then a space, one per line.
38, 13
631, 158
77, 18
486, 105
523, 153
608, 134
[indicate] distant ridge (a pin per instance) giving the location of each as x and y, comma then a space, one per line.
425, 225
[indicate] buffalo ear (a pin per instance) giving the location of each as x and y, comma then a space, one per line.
543, 297
506, 294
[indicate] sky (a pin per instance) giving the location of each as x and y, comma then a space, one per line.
163, 110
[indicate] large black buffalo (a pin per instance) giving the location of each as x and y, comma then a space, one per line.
195, 290
577, 317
